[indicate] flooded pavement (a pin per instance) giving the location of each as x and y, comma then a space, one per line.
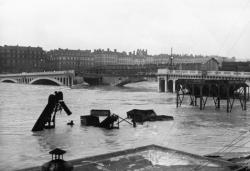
192, 130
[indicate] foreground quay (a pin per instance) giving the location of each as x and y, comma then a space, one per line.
151, 157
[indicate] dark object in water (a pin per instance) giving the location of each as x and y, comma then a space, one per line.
161, 118
71, 123
93, 118
100, 112
138, 115
90, 120
111, 121
107, 123
66, 109
47, 117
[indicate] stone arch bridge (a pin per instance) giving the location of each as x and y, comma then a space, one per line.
59, 78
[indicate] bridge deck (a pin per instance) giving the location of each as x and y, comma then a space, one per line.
192, 74
37, 73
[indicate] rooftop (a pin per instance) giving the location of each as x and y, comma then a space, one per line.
57, 151
151, 157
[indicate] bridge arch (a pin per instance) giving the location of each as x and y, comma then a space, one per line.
46, 81
8, 80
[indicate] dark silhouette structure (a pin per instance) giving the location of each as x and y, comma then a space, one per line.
110, 122
228, 90
235, 66
57, 163
47, 117
138, 115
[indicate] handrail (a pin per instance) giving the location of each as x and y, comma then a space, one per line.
208, 73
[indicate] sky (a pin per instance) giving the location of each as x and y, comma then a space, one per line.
207, 27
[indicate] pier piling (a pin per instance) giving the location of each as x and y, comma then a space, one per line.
217, 89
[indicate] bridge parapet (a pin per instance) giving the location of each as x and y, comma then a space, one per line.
179, 72
231, 74
39, 73
48, 78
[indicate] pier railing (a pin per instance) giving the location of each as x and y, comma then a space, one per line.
207, 73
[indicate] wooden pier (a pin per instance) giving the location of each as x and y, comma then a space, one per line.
200, 85
218, 90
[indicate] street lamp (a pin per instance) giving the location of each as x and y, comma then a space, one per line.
171, 58
171, 64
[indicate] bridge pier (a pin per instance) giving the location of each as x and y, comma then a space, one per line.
166, 84
172, 86
218, 97
201, 98
228, 99
245, 99
162, 84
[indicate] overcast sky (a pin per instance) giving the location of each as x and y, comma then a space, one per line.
207, 27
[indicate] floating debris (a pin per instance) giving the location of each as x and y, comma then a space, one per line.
71, 123
141, 116
110, 122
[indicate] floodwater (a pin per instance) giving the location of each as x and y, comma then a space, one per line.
192, 130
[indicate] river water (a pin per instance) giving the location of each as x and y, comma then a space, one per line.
192, 130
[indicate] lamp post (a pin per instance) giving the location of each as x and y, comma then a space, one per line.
171, 62
171, 59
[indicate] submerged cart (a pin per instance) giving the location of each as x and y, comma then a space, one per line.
138, 115
111, 121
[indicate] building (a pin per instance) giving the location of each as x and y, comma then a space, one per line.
210, 65
66, 59
161, 59
207, 64
235, 66
16, 59
108, 57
